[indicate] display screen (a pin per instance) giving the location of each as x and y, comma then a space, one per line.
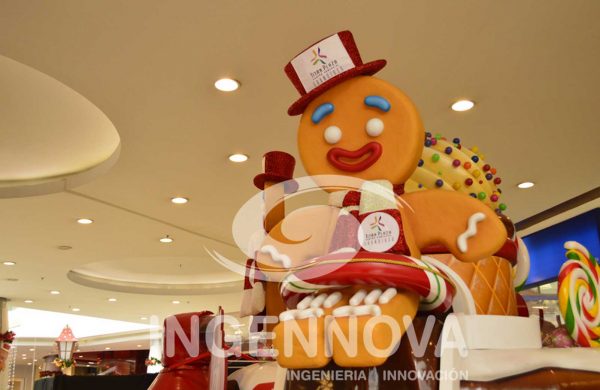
546, 249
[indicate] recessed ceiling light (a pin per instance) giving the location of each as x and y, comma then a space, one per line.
28, 301
55, 292
227, 85
112, 299
9, 263
76, 309
525, 185
238, 158
166, 239
179, 200
24, 358
85, 221
107, 348
31, 349
144, 318
176, 302
80, 356
462, 105
29, 364
139, 345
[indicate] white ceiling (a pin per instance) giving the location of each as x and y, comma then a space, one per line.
149, 65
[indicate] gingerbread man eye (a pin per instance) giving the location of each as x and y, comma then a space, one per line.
374, 127
332, 135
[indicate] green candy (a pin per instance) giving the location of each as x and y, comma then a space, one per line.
435, 158
481, 195
502, 206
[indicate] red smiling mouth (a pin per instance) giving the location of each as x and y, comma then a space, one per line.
364, 157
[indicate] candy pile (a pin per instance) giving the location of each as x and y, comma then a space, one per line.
578, 295
448, 165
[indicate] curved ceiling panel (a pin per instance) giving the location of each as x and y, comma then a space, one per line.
156, 275
52, 137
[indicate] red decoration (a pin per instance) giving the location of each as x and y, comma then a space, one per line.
279, 167
373, 149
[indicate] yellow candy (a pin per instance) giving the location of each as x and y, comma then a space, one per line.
456, 186
476, 173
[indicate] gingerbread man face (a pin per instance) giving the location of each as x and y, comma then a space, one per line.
364, 127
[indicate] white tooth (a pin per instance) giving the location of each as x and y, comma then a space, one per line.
343, 311
308, 313
373, 296
305, 303
287, 315
387, 296
364, 310
358, 298
347, 311
332, 299
318, 301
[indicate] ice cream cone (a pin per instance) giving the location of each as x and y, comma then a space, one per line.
490, 282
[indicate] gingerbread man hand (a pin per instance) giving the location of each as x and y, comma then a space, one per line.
466, 227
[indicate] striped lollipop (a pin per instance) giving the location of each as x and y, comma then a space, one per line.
578, 295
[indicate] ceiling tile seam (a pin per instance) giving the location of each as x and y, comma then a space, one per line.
149, 217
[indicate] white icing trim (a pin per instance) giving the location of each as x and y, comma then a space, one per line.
276, 256
358, 297
363, 310
289, 315
523, 264
387, 295
470, 232
332, 300
512, 343
318, 301
305, 303
373, 296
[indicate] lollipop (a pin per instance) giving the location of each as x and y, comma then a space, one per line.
450, 166
578, 295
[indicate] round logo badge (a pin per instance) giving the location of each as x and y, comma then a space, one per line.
378, 232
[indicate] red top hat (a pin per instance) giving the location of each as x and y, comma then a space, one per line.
278, 167
324, 65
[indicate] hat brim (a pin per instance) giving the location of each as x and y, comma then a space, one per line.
367, 69
290, 185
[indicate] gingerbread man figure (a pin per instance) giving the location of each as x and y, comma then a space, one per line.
341, 267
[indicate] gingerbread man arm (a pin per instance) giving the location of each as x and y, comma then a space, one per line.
469, 229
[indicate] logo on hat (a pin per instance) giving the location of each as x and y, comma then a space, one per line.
378, 232
313, 72
318, 57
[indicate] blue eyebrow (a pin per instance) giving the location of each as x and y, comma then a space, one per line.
378, 102
321, 112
